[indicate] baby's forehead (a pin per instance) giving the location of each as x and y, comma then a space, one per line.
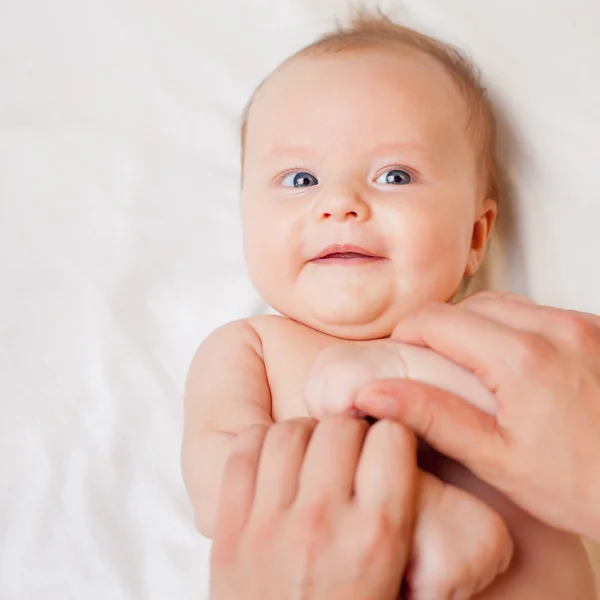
400, 56
401, 91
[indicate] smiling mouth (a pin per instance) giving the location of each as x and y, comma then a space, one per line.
346, 258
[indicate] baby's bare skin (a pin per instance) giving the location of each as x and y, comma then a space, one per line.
293, 387
459, 542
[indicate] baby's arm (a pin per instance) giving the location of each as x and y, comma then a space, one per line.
339, 371
226, 391
548, 564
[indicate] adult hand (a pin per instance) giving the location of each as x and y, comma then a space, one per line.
311, 511
542, 449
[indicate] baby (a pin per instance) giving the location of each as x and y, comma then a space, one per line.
369, 189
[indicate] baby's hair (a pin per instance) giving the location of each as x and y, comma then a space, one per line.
373, 30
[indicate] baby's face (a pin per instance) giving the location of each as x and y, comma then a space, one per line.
360, 190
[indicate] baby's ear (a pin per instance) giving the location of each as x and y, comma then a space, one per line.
482, 230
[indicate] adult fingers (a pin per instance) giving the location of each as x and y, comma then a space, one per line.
576, 329
494, 295
445, 421
494, 352
281, 461
331, 458
237, 489
387, 473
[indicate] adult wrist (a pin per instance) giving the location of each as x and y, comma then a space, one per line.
594, 511
588, 524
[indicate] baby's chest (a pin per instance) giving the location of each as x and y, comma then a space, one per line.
289, 350
288, 359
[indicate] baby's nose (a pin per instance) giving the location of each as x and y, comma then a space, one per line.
342, 205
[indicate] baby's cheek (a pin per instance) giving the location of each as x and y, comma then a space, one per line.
339, 371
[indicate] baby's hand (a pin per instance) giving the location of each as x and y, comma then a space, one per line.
339, 371
460, 544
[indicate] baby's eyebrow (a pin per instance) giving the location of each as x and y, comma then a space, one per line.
289, 152
400, 148
383, 148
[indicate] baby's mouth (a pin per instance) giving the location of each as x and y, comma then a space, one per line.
345, 254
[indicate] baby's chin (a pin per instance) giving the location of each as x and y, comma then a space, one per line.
349, 326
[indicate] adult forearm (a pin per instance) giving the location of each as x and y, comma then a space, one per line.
589, 525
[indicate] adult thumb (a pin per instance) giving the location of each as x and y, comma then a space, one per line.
445, 421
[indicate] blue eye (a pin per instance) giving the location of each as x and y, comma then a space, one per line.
395, 177
300, 179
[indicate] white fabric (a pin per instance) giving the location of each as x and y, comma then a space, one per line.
120, 245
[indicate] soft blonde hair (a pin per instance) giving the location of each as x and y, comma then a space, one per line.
368, 30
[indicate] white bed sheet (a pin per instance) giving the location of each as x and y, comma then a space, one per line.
120, 246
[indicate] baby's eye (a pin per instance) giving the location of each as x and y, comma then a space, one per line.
299, 179
395, 177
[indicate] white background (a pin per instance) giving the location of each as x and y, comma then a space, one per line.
120, 245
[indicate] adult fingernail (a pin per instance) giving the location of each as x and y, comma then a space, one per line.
377, 404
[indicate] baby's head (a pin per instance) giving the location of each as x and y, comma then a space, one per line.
369, 182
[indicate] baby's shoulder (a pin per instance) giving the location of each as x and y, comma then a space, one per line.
279, 333
268, 323
232, 340
261, 332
